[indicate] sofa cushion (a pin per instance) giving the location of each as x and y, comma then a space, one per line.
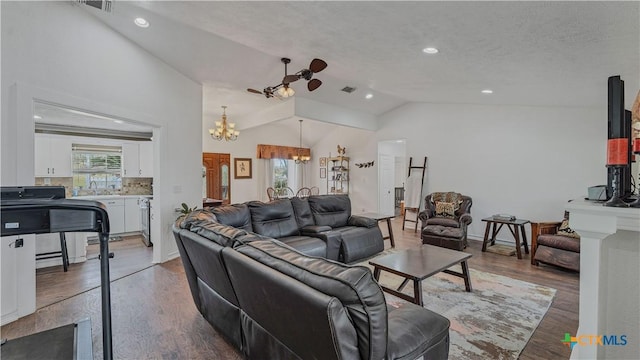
330, 210
307, 245
443, 222
283, 318
445, 209
443, 231
273, 219
451, 197
236, 215
354, 286
302, 211
360, 242
559, 242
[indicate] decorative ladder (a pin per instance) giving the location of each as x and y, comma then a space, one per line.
417, 210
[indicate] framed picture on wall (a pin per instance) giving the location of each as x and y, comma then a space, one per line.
242, 168
323, 161
323, 173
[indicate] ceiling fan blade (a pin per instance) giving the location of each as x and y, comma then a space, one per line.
254, 91
290, 78
317, 65
313, 84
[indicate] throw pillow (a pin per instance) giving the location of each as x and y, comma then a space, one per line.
445, 209
565, 230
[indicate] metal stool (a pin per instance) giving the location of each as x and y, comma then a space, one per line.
54, 254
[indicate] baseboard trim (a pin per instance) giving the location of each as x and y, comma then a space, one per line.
172, 255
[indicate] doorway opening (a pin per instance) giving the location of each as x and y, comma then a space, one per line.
391, 174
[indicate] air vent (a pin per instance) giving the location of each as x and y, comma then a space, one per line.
104, 5
348, 89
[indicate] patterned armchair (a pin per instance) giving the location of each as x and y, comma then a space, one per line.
445, 220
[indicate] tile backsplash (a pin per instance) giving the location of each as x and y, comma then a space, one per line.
67, 182
137, 186
130, 186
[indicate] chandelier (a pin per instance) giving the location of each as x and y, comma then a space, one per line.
299, 158
224, 131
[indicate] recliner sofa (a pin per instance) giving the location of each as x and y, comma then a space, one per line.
319, 225
273, 302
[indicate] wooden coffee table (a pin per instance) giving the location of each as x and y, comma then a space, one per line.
419, 264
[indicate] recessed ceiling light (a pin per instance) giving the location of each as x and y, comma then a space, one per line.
487, 91
118, 121
37, 117
368, 96
143, 23
430, 50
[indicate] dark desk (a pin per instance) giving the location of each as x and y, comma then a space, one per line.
380, 217
515, 226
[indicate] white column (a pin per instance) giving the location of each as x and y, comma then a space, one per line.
609, 278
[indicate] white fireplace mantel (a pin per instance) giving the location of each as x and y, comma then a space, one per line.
609, 277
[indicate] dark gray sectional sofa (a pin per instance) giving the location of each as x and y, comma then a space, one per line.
273, 301
320, 225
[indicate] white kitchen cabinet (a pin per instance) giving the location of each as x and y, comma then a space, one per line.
146, 158
9, 301
116, 211
52, 156
132, 215
137, 159
18, 271
130, 160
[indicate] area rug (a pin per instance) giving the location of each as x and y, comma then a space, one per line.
495, 321
502, 249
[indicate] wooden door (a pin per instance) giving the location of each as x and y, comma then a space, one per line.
218, 176
224, 166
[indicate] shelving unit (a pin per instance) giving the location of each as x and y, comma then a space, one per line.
338, 175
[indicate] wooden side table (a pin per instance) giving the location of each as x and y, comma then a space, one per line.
515, 226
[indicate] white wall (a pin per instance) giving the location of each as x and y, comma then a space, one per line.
58, 47
526, 161
361, 147
245, 147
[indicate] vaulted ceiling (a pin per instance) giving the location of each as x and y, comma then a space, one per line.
528, 53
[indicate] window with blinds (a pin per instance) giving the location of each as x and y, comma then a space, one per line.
97, 167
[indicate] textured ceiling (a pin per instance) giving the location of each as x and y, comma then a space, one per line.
528, 53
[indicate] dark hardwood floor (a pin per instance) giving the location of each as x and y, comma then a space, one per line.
154, 315
53, 285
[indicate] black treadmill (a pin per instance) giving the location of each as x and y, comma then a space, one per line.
44, 209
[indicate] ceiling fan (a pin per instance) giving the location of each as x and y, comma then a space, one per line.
283, 90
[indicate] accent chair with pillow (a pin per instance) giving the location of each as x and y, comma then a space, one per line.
445, 220
555, 243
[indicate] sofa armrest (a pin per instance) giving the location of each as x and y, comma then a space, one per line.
361, 221
465, 219
314, 229
333, 239
423, 216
